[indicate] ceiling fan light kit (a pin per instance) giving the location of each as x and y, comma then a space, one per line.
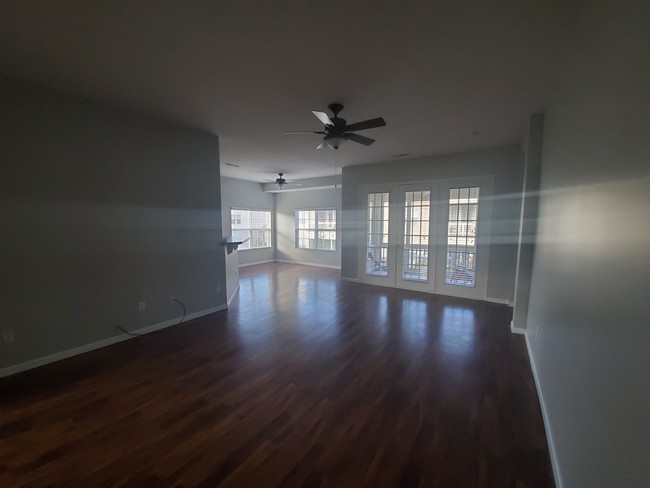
280, 181
337, 131
334, 141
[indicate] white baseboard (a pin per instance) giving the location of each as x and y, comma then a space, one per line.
286, 261
75, 351
516, 330
234, 294
257, 262
352, 280
58, 356
502, 301
304, 263
547, 427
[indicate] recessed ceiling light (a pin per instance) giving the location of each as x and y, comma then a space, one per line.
233, 165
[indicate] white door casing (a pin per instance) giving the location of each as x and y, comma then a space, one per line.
403, 258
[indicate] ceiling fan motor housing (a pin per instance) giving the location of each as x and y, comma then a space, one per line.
339, 124
335, 108
280, 181
337, 130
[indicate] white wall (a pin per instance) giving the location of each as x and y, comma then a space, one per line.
246, 194
286, 204
101, 209
589, 313
504, 164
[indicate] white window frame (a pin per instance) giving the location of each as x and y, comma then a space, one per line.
247, 246
315, 229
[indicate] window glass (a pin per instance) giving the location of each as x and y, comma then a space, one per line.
461, 237
377, 236
316, 229
252, 226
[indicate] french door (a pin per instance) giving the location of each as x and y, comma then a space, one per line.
429, 236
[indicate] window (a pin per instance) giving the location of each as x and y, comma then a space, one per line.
316, 229
461, 237
254, 225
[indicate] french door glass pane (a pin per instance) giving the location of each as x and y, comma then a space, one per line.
377, 238
415, 261
461, 236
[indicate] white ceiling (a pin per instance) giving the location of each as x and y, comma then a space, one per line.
248, 70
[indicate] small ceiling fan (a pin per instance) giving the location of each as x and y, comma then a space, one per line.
281, 182
337, 130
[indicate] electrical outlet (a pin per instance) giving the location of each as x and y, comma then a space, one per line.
8, 336
142, 306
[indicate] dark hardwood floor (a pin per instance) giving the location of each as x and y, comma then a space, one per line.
305, 381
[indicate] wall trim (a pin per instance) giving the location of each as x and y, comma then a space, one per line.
234, 294
502, 301
75, 351
516, 330
352, 280
257, 262
304, 263
547, 427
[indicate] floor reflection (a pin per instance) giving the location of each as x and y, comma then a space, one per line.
316, 307
457, 329
315, 299
291, 304
256, 289
303, 307
382, 314
414, 320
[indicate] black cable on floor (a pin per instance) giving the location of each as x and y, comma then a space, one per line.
129, 333
179, 322
181, 304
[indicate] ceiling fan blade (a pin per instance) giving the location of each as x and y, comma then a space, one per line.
303, 132
323, 117
322, 145
366, 124
366, 141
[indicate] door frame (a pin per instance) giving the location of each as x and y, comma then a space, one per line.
389, 279
400, 202
439, 214
483, 236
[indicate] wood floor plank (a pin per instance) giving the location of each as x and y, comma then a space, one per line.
306, 380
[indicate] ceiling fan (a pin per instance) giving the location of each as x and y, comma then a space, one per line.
337, 130
281, 182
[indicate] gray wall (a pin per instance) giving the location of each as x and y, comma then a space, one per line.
504, 164
101, 209
589, 314
246, 194
286, 203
